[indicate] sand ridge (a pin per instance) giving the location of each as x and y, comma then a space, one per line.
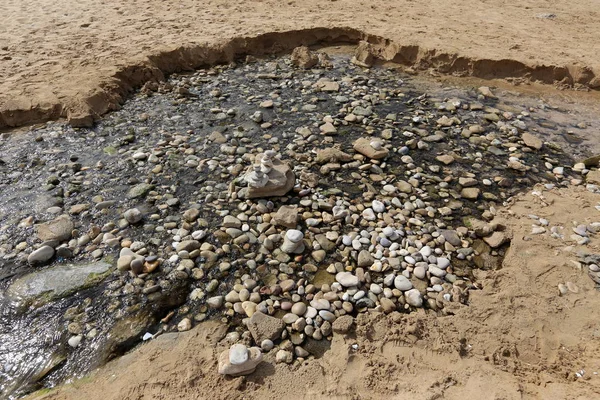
80, 59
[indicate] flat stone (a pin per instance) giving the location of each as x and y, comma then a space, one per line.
532, 141
231, 222
364, 147
445, 159
451, 237
328, 129
262, 326
332, 155
346, 279
286, 216
58, 229
188, 245
496, 239
56, 282
140, 190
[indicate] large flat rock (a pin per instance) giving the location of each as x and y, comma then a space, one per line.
56, 282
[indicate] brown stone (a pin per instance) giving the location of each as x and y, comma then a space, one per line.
281, 181
302, 57
59, 229
496, 239
364, 147
262, 326
332, 155
286, 216
532, 141
363, 55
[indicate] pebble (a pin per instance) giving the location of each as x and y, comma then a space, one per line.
41, 255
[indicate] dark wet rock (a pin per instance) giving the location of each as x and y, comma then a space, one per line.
56, 282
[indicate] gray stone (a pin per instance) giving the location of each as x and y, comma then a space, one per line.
346, 279
365, 259
402, 283
133, 215
413, 297
140, 190
41, 255
451, 237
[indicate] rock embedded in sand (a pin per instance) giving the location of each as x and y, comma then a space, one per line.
302, 57
343, 324
284, 356
184, 325
496, 239
262, 326
413, 297
363, 55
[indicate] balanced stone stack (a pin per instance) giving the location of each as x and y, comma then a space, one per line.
239, 360
268, 177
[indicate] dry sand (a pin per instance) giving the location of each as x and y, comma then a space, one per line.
79, 59
517, 339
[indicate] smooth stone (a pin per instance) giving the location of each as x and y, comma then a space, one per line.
238, 354
299, 309
41, 255
413, 297
402, 283
346, 279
